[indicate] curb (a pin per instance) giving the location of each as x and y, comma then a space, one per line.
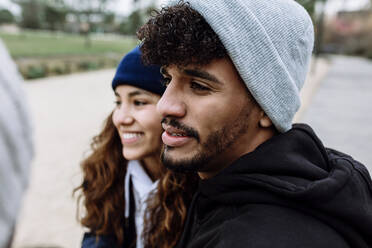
318, 70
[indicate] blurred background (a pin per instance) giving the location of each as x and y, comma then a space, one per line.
67, 51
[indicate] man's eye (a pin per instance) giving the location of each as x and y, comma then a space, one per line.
198, 87
139, 103
165, 82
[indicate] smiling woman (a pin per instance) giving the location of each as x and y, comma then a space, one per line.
124, 165
138, 125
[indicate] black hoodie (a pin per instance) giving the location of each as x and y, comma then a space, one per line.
290, 192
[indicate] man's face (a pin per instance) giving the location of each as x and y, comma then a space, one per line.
209, 118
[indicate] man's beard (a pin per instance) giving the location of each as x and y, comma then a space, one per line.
217, 142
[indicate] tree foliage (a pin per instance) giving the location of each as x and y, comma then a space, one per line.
32, 15
42, 14
55, 18
130, 25
310, 5
6, 16
137, 18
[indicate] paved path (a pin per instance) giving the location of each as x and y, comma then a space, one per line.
67, 112
341, 110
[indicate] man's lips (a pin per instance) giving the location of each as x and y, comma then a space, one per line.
174, 137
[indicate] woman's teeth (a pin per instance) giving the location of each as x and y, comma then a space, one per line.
131, 135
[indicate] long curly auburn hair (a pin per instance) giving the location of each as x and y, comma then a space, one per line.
167, 209
175, 35
102, 189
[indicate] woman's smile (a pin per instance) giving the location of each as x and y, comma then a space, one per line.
128, 138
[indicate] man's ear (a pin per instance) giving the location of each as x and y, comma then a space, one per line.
265, 121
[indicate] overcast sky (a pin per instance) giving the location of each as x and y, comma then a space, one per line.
124, 7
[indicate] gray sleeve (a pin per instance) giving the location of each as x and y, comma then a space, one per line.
16, 148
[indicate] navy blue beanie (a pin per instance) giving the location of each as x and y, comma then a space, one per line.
131, 71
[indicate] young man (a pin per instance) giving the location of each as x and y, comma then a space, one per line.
233, 71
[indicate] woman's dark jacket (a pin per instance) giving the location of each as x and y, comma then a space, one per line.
90, 240
291, 192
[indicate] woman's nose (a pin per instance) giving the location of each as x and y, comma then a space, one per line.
127, 119
122, 116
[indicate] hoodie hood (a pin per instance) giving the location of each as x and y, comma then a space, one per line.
295, 170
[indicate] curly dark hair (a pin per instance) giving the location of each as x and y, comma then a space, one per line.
179, 35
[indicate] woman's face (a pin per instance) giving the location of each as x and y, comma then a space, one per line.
137, 122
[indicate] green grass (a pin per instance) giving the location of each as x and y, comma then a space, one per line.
41, 44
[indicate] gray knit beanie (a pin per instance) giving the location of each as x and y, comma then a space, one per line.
270, 43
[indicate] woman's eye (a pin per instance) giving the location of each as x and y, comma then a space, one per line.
117, 103
165, 82
198, 87
139, 103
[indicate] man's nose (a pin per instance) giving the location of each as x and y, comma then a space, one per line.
171, 103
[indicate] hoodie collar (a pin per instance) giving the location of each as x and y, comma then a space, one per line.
295, 170
142, 184
289, 163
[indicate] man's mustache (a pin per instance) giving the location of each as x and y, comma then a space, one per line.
189, 131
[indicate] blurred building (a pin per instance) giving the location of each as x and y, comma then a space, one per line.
349, 32
352, 22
